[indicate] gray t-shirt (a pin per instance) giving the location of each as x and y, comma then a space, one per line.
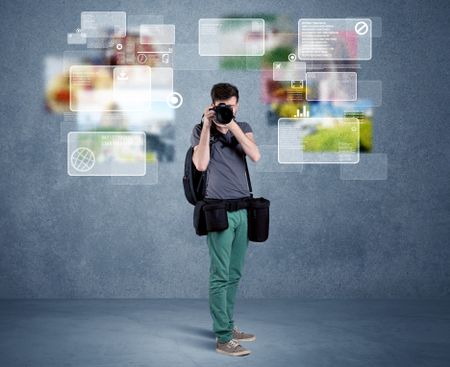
226, 177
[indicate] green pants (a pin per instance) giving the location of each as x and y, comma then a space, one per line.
227, 252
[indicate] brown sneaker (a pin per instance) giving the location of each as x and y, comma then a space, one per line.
232, 348
243, 337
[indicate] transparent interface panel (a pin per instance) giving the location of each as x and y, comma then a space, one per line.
106, 154
331, 86
104, 23
335, 39
289, 71
134, 21
77, 38
150, 178
157, 34
110, 88
186, 57
231, 37
162, 84
370, 93
318, 140
371, 167
269, 161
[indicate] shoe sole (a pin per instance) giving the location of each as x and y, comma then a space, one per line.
252, 339
236, 354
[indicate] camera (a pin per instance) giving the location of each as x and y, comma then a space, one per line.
224, 113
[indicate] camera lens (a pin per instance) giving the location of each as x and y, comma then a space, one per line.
224, 114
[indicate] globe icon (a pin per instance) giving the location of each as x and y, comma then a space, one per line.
82, 159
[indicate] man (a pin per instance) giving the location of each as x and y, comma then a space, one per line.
226, 179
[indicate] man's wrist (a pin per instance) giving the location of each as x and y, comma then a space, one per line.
206, 123
232, 124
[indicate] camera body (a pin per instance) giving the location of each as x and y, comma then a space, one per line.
224, 113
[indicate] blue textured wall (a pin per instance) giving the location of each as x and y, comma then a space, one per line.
64, 236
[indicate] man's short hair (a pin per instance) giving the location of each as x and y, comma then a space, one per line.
222, 91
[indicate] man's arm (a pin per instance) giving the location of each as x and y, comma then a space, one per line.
246, 140
201, 155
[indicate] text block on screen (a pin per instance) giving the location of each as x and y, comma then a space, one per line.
335, 39
104, 23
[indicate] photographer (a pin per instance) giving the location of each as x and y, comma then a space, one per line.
226, 179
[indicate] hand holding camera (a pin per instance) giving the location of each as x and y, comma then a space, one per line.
208, 116
223, 114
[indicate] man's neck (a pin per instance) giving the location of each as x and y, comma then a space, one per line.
222, 129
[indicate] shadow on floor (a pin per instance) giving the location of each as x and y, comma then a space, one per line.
198, 331
207, 340
200, 343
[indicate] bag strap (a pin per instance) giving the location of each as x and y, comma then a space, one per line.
249, 183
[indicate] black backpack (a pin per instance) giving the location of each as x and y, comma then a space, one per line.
194, 181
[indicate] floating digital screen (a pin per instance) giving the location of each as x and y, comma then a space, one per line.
371, 167
318, 140
110, 88
289, 71
106, 153
77, 38
335, 39
231, 37
331, 86
157, 34
104, 23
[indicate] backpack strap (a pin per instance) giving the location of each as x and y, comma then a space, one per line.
212, 139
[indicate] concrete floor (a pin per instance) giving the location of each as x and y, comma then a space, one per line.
165, 332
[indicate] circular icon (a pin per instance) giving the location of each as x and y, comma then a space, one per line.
119, 46
174, 100
361, 28
82, 159
292, 57
142, 58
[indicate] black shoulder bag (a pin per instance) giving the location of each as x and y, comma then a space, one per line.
257, 212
